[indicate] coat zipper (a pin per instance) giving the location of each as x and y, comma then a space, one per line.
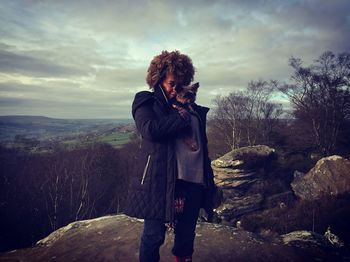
145, 170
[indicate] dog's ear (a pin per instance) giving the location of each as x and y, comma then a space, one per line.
195, 87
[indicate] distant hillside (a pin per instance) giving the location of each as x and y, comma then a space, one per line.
40, 127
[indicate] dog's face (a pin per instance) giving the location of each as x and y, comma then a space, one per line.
187, 94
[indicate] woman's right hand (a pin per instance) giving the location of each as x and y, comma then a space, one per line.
183, 112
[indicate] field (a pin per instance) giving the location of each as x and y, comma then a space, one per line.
116, 139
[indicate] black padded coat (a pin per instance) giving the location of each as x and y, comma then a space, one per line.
152, 182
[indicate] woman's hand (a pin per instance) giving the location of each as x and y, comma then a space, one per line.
183, 112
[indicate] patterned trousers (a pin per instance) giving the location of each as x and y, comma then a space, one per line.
188, 197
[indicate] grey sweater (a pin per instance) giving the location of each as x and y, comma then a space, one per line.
189, 162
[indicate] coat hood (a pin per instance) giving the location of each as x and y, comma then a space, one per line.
141, 98
148, 97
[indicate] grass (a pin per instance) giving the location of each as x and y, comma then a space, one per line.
115, 139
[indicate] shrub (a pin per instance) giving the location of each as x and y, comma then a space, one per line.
305, 215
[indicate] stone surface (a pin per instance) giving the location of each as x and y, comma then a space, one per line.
237, 206
302, 236
116, 238
333, 239
240, 175
281, 199
330, 176
247, 157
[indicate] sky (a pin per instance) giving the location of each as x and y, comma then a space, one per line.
87, 59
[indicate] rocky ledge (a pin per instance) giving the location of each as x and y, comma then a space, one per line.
116, 238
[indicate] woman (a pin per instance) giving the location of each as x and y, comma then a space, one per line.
171, 182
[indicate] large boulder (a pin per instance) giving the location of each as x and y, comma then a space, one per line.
329, 177
245, 157
116, 238
240, 175
239, 169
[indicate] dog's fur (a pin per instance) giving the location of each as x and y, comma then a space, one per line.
185, 97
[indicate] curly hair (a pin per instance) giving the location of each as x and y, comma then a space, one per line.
175, 63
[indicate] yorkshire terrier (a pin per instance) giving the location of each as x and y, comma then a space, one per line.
185, 97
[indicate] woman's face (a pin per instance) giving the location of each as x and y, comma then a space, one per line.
168, 85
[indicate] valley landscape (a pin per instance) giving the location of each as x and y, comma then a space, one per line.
38, 134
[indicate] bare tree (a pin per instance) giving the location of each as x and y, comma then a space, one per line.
246, 117
42, 192
80, 184
320, 96
227, 117
259, 113
52, 189
270, 119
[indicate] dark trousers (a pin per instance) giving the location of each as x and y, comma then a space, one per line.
188, 197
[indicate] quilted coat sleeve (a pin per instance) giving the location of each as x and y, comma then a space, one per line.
154, 128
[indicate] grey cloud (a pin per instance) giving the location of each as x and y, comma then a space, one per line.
326, 22
64, 91
320, 14
64, 97
230, 42
143, 22
4, 46
27, 65
19, 87
11, 102
121, 78
59, 109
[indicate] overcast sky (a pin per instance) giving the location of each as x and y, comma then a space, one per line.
87, 59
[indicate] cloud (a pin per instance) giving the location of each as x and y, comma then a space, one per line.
38, 67
91, 57
58, 109
68, 99
121, 78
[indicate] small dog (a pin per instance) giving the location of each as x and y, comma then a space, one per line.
185, 97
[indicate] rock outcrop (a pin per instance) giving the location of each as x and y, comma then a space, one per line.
245, 157
330, 176
116, 238
240, 175
303, 236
